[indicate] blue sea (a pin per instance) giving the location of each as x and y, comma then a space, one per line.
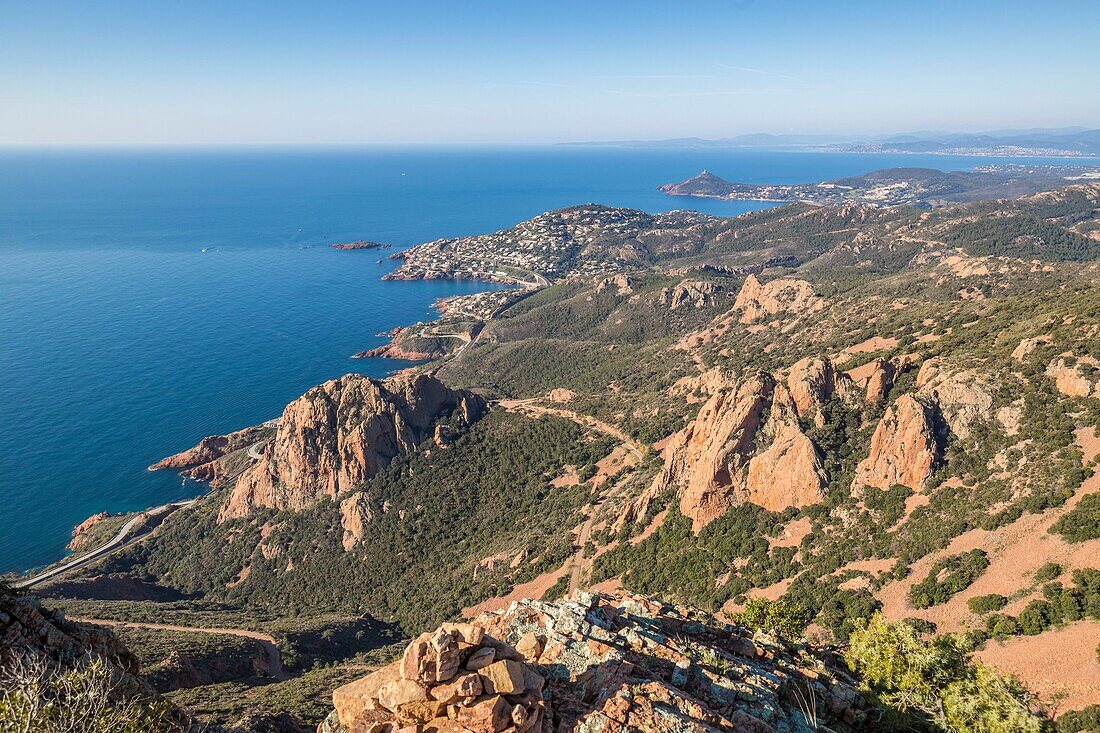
151, 297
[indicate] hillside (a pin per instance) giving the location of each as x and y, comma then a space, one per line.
841, 410
895, 186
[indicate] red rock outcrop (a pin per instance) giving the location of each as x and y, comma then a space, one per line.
784, 295
201, 462
880, 381
814, 381
340, 434
745, 445
355, 514
964, 398
597, 662
80, 531
696, 293
1071, 379
903, 448
451, 680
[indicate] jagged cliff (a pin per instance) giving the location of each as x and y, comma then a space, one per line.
331, 439
598, 662
785, 295
903, 447
747, 444
341, 433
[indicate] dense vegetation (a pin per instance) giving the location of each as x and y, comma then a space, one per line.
486, 494
948, 576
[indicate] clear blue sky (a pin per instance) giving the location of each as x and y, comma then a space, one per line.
525, 71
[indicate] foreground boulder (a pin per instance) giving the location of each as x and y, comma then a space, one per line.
451, 680
598, 663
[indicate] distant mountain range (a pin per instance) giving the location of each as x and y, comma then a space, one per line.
1035, 141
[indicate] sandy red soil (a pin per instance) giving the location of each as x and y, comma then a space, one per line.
1061, 661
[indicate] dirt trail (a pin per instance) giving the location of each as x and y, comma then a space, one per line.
274, 657
532, 406
582, 540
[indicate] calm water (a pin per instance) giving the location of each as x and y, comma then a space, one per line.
121, 341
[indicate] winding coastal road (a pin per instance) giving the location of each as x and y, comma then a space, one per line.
133, 530
274, 657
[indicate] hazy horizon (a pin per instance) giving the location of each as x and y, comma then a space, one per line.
431, 73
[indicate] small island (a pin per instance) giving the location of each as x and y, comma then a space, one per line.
361, 244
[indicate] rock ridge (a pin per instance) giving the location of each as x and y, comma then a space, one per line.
341, 433
599, 662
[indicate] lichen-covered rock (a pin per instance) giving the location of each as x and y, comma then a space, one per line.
619, 663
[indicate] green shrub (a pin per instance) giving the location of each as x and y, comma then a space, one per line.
929, 683
1047, 571
1002, 626
1080, 721
1037, 617
947, 577
1082, 523
987, 702
776, 616
984, 604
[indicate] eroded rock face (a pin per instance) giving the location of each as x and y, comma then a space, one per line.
880, 381
613, 664
1071, 378
355, 514
784, 295
622, 284
80, 532
202, 462
695, 293
963, 399
789, 473
903, 448
745, 445
814, 381
338, 435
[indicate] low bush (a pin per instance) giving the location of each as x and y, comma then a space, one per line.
929, 683
984, 604
947, 577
